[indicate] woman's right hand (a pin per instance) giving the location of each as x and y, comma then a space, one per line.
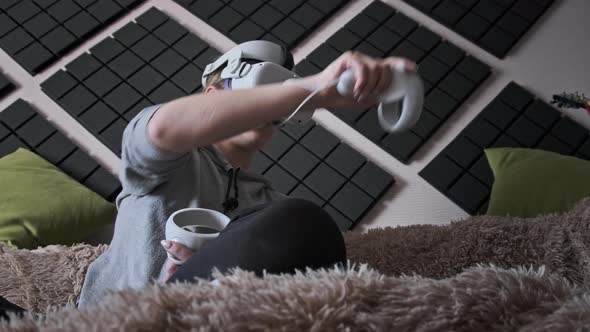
373, 77
180, 251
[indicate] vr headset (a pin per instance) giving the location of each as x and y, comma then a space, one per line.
254, 63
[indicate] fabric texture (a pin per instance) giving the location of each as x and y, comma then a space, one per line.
155, 184
530, 182
53, 276
40, 205
479, 299
39, 279
278, 237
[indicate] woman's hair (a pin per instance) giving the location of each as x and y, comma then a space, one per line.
214, 79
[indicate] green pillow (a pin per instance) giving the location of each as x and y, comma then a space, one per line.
531, 182
40, 205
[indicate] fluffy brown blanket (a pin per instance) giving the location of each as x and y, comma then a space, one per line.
549, 291
482, 299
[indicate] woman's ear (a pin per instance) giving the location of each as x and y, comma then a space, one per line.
210, 89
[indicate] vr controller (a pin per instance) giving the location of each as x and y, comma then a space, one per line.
400, 106
194, 227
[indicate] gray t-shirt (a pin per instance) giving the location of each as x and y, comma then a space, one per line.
155, 184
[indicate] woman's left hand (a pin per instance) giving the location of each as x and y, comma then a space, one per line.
180, 251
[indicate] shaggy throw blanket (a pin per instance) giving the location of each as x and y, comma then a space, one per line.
555, 246
50, 276
481, 299
560, 242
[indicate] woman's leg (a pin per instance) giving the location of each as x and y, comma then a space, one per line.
6, 307
277, 237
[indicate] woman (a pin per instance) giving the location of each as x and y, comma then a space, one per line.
194, 152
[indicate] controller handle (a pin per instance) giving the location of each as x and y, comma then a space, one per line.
400, 106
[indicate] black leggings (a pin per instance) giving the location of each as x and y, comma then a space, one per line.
277, 237
6, 307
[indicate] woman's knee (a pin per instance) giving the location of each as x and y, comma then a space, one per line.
303, 221
301, 211
302, 216
297, 204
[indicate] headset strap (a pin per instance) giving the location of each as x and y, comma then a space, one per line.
254, 50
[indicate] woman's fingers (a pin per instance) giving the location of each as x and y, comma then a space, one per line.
373, 77
361, 73
170, 271
181, 252
372, 80
384, 81
410, 66
384, 75
401, 63
357, 62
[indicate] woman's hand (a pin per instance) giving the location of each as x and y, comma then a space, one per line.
373, 77
177, 250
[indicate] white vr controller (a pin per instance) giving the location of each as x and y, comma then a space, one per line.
400, 106
194, 227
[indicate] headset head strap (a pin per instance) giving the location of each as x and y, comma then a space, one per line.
257, 50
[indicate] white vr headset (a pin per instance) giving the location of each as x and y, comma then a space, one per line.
254, 63
258, 62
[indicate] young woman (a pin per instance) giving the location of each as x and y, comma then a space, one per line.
194, 152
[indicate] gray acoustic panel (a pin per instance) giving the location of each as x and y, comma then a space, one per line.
450, 75
22, 127
283, 21
36, 33
515, 118
307, 161
494, 25
149, 61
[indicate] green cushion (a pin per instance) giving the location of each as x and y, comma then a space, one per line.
531, 182
40, 205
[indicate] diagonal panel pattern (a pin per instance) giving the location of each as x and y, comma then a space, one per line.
22, 127
494, 25
154, 60
515, 118
450, 75
36, 33
284, 22
150, 61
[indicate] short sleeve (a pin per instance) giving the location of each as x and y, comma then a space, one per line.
144, 166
